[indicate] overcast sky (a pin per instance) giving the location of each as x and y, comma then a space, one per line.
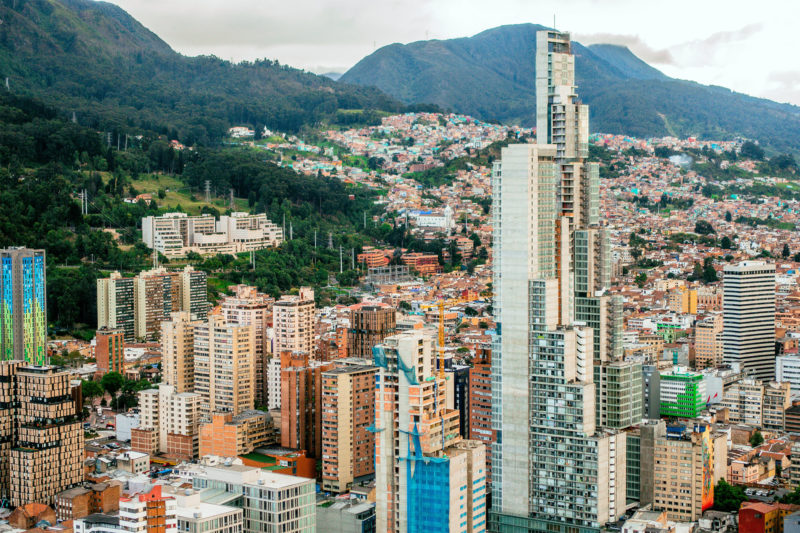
751, 47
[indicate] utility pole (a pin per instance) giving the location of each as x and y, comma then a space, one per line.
232, 204
315, 240
253, 259
330, 240
208, 191
341, 265
353, 259
291, 231
365, 219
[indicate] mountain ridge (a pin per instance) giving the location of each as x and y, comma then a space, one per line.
491, 75
96, 60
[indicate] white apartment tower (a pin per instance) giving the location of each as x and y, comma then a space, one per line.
554, 468
748, 311
293, 319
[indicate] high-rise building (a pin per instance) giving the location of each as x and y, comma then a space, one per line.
247, 306
457, 386
348, 413
168, 423
301, 402
293, 320
140, 304
42, 434
554, 466
177, 351
427, 478
684, 473
23, 318
115, 304
749, 317
480, 405
682, 393
369, 325
759, 404
110, 350
708, 342
224, 366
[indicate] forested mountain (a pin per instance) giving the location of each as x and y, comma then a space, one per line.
95, 60
492, 76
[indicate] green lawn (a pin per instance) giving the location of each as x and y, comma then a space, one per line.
178, 193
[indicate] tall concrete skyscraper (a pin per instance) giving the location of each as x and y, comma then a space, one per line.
554, 467
748, 310
23, 317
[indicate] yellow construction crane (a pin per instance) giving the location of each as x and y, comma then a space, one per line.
441, 305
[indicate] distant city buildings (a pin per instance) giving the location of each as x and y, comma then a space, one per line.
176, 234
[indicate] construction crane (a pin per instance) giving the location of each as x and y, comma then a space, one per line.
441, 305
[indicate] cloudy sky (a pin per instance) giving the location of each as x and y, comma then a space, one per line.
747, 46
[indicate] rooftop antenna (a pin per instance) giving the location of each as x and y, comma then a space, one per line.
554, 21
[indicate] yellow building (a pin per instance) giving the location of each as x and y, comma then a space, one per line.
682, 300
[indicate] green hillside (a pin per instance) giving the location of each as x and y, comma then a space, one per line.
95, 60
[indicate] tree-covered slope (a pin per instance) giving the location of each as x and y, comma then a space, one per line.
94, 59
491, 75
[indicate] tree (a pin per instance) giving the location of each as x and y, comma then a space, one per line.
757, 439
91, 389
792, 497
785, 253
751, 150
728, 216
703, 227
641, 279
796, 257
727, 497
725, 243
112, 383
709, 273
